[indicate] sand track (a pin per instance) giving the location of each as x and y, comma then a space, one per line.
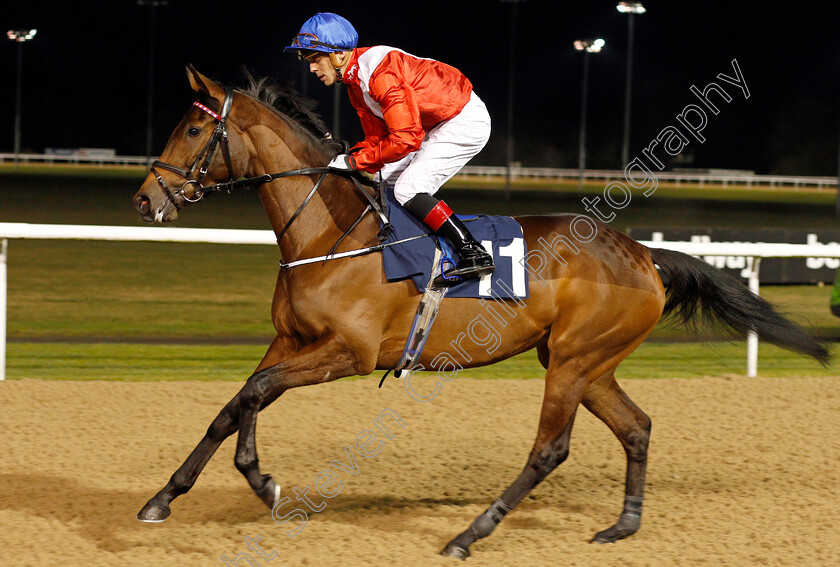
742, 472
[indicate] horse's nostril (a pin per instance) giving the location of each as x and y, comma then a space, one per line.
143, 204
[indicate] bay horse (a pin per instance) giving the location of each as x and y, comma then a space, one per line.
584, 316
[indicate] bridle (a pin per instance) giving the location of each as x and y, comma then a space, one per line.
220, 138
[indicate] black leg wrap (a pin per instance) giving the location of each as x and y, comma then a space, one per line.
633, 507
487, 522
627, 525
481, 527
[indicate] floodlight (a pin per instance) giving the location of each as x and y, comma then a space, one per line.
631, 8
21, 35
590, 45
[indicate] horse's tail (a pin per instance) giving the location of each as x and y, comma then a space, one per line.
698, 291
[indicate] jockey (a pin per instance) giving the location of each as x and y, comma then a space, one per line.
422, 124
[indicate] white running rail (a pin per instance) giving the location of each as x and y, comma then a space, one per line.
734, 178
756, 251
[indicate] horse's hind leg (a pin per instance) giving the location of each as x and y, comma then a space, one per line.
610, 404
564, 388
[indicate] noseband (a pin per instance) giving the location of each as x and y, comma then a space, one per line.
218, 138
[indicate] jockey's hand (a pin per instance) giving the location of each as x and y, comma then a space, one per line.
342, 162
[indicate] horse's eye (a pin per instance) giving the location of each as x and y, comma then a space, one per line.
193, 132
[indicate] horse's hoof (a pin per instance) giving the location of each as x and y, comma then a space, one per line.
612, 535
456, 551
602, 537
269, 493
154, 512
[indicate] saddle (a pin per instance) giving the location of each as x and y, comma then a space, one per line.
416, 259
423, 259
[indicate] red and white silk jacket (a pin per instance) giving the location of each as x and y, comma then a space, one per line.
399, 97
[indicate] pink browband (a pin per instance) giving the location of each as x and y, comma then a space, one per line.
207, 110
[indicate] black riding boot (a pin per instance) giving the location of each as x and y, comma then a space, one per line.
475, 261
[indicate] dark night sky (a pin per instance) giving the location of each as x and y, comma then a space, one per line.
85, 74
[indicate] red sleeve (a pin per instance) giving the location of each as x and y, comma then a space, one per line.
373, 127
403, 129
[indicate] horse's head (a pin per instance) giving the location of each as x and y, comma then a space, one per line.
206, 148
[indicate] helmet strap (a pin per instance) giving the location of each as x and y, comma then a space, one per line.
335, 63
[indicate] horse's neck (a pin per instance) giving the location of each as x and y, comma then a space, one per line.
329, 213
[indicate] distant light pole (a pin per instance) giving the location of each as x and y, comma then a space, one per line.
631, 9
586, 46
152, 4
837, 199
21, 37
511, 64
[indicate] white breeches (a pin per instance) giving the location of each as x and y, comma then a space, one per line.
445, 150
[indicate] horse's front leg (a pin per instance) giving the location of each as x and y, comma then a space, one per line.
322, 361
226, 423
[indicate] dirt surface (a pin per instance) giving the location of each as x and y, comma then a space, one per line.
742, 472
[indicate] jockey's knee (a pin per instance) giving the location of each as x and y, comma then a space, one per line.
404, 192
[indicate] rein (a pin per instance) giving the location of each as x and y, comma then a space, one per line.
220, 138
249, 182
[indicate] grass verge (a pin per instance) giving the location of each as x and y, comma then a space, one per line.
153, 362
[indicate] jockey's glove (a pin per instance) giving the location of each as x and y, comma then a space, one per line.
343, 162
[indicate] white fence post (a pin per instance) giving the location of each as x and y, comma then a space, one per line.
752, 337
3, 294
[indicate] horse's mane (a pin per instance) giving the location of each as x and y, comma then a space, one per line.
285, 100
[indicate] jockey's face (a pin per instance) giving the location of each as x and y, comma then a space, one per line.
319, 63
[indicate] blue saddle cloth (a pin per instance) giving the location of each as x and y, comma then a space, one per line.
414, 259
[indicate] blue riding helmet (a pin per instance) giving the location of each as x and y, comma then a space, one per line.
325, 32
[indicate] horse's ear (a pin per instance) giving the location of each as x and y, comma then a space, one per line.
202, 84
